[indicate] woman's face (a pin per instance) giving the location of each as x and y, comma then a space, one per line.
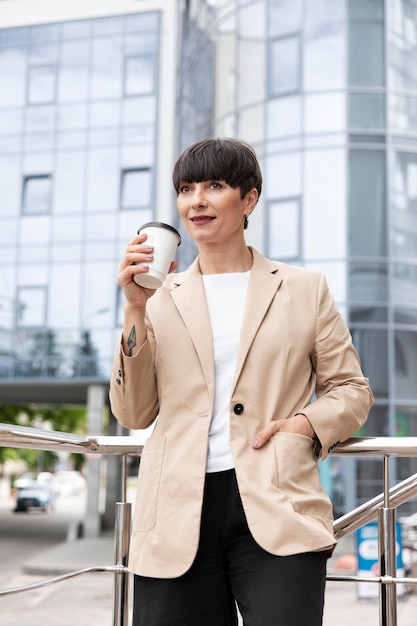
212, 211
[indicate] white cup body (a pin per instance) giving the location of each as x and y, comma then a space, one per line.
165, 240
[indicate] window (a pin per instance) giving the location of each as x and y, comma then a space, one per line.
37, 194
284, 66
31, 306
139, 76
41, 84
135, 192
284, 230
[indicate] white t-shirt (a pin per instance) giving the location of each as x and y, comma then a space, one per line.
226, 297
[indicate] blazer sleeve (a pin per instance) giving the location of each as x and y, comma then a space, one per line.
343, 395
133, 389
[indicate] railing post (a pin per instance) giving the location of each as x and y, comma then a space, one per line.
121, 554
387, 544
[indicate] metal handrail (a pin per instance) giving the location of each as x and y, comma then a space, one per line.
382, 506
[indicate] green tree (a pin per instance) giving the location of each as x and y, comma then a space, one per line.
64, 419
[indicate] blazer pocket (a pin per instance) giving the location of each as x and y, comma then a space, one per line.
298, 475
150, 469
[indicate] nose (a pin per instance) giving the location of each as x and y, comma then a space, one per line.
198, 198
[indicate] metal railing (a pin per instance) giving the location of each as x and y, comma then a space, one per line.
382, 507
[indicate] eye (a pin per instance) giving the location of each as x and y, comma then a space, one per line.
215, 184
184, 188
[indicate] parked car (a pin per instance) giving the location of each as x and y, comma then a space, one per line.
35, 496
24, 480
68, 483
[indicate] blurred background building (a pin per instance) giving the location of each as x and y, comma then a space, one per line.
97, 98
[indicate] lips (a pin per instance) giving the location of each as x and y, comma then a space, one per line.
200, 220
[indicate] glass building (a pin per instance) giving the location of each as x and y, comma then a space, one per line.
99, 102
326, 90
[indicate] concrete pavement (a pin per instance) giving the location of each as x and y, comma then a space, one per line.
87, 600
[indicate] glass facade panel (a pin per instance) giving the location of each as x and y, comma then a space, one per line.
368, 282
405, 316
324, 220
283, 230
73, 72
367, 111
402, 112
66, 134
372, 346
106, 78
31, 306
41, 84
405, 350
283, 175
403, 206
284, 116
404, 283
284, 16
36, 195
284, 66
367, 204
402, 37
139, 76
136, 188
324, 113
13, 74
366, 61
252, 21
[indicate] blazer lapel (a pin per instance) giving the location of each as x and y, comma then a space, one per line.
264, 282
190, 299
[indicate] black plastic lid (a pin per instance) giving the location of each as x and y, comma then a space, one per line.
161, 225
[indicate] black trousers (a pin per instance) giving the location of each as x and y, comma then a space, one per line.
230, 568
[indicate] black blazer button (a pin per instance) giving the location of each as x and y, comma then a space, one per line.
238, 409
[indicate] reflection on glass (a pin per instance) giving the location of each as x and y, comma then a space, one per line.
368, 314
31, 303
43, 54
367, 204
402, 42
283, 230
145, 43
402, 112
139, 75
372, 346
136, 188
36, 194
404, 283
368, 283
403, 210
366, 61
405, 316
366, 111
405, 349
284, 65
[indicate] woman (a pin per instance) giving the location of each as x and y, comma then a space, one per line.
228, 355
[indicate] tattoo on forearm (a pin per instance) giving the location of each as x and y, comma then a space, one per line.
131, 340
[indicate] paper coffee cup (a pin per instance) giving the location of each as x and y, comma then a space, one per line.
165, 240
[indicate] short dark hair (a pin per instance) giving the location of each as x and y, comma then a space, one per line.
231, 160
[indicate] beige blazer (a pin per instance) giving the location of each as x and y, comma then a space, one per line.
294, 344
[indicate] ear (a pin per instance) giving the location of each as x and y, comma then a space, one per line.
252, 199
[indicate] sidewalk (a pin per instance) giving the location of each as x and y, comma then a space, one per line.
88, 599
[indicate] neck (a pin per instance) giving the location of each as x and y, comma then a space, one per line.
225, 261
